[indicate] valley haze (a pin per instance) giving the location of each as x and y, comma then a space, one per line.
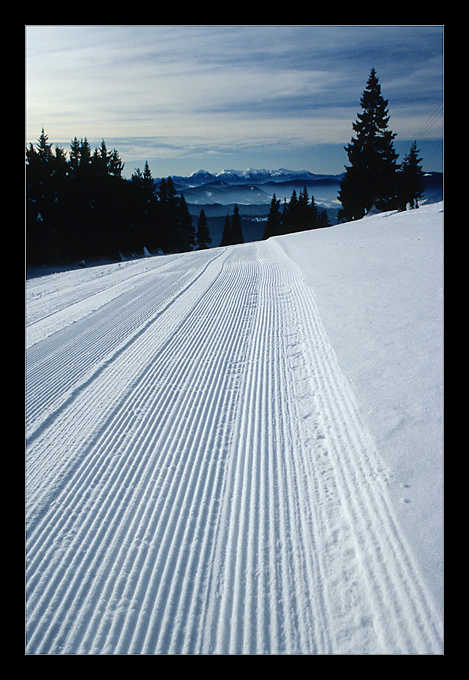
252, 189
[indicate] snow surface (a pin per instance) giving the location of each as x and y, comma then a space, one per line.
378, 284
240, 450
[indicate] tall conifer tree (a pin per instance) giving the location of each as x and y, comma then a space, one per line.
226, 239
185, 231
236, 226
371, 178
203, 233
274, 220
411, 179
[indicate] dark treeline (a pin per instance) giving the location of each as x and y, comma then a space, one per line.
299, 214
81, 207
232, 229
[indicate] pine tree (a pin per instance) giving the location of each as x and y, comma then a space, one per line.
411, 179
227, 239
323, 219
74, 156
185, 232
137, 177
306, 212
371, 179
144, 209
59, 163
43, 148
167, 201
299, 214
147, 178
291, 215
85, 155
115, 164
39, 201
317, 216
100, 161
236, 226
274, 220
284, 216
203, 233
31, 156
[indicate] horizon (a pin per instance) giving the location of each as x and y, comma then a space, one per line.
435, 147
266, 170
229, 96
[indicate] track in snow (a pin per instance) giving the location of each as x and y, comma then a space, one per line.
198, 478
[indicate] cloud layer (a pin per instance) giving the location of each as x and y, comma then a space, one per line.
219, 88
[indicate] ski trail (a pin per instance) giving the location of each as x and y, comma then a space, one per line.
401, 613
198, 476
56, 305
79, 378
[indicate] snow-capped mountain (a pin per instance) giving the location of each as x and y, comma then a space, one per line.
262, 175
251, 175
254, 186
257, 186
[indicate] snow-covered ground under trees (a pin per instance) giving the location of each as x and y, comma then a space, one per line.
240, 450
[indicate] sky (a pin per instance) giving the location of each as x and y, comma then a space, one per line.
231, 96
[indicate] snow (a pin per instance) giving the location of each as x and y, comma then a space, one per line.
378, 284
240, 450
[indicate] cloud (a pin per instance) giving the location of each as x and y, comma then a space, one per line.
216, 87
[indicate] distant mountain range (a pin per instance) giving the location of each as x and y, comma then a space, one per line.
257, 186
257, 176
252, 190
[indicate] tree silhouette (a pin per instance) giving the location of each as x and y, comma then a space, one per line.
371, 179
203, 233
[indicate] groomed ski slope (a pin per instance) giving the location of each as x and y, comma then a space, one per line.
199, 478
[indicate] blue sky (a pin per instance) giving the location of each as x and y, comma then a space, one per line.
215, 97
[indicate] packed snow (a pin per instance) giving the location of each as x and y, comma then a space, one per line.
378, 284
240, 450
